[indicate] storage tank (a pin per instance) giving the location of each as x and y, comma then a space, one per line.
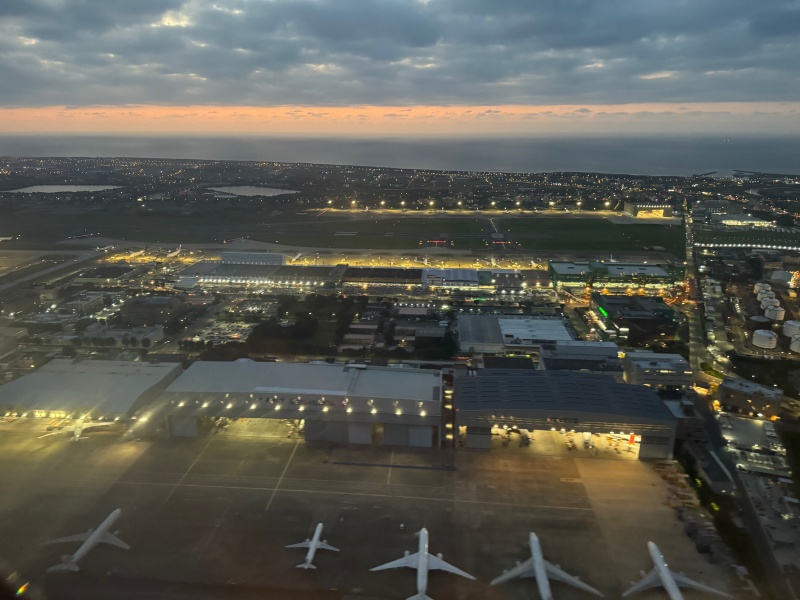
794, 345
767, 302
761, 287
765, 294
763, 338
759, 322
791, 328
776, 313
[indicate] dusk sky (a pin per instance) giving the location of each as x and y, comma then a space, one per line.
399, 67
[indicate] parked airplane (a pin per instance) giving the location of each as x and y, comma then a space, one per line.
422, 561
75, 432
536, 566
313, 545
661, 575
90, 539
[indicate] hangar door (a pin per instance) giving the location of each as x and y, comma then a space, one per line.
420, 436
359, 433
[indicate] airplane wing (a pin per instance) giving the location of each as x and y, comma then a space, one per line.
306, 544
556, 574
327, 546
684, 581
434, 562
524, 569
78, 537
110, 538
645, 583
410, 560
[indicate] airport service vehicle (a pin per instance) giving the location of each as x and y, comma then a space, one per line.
313, 545
661, 575
536, 566
422, 561
90, 539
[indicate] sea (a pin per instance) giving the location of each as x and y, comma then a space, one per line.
683, 155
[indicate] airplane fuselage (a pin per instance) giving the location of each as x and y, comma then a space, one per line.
422, 563
542, 580
312, 548
667, 581
96, 536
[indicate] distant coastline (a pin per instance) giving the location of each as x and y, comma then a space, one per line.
678, 155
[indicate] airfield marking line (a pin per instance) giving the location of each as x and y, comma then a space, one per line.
364, 494
280, 479
191, 466
389, 474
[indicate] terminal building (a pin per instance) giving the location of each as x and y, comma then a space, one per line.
354, 404
581, 402
94, 389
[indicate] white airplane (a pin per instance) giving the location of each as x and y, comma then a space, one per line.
90, 539
313, 545
661, 575
75, 431
536, 566
422, 561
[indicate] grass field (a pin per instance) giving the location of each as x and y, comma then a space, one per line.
365, 231
393, 233
552, 234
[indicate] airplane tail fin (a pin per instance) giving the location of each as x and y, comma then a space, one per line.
306, 566
419, 597
67, 564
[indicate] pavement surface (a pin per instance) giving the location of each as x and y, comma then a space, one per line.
209, 517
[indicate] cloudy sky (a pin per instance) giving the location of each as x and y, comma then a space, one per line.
417, 67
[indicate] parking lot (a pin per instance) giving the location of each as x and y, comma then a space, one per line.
214, 513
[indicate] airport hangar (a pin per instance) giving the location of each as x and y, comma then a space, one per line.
103, 390
559, 400
354, 404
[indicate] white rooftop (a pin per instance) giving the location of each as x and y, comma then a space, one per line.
532, 328
245, 376
617, 270
100, 386
658, 360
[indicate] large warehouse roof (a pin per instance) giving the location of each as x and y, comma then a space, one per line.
558, 392
246, 376
103, 387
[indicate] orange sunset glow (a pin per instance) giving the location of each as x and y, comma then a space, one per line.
394, 120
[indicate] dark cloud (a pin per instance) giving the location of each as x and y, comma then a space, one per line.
395, 52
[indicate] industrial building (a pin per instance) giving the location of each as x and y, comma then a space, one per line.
656, 370
590, 357
749, 398
96, 389
614, 274
543, 400
634, 319
354, 404
496, 334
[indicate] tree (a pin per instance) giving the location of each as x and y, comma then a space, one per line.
146, 343
69, 351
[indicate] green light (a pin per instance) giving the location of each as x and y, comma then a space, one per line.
602, 311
